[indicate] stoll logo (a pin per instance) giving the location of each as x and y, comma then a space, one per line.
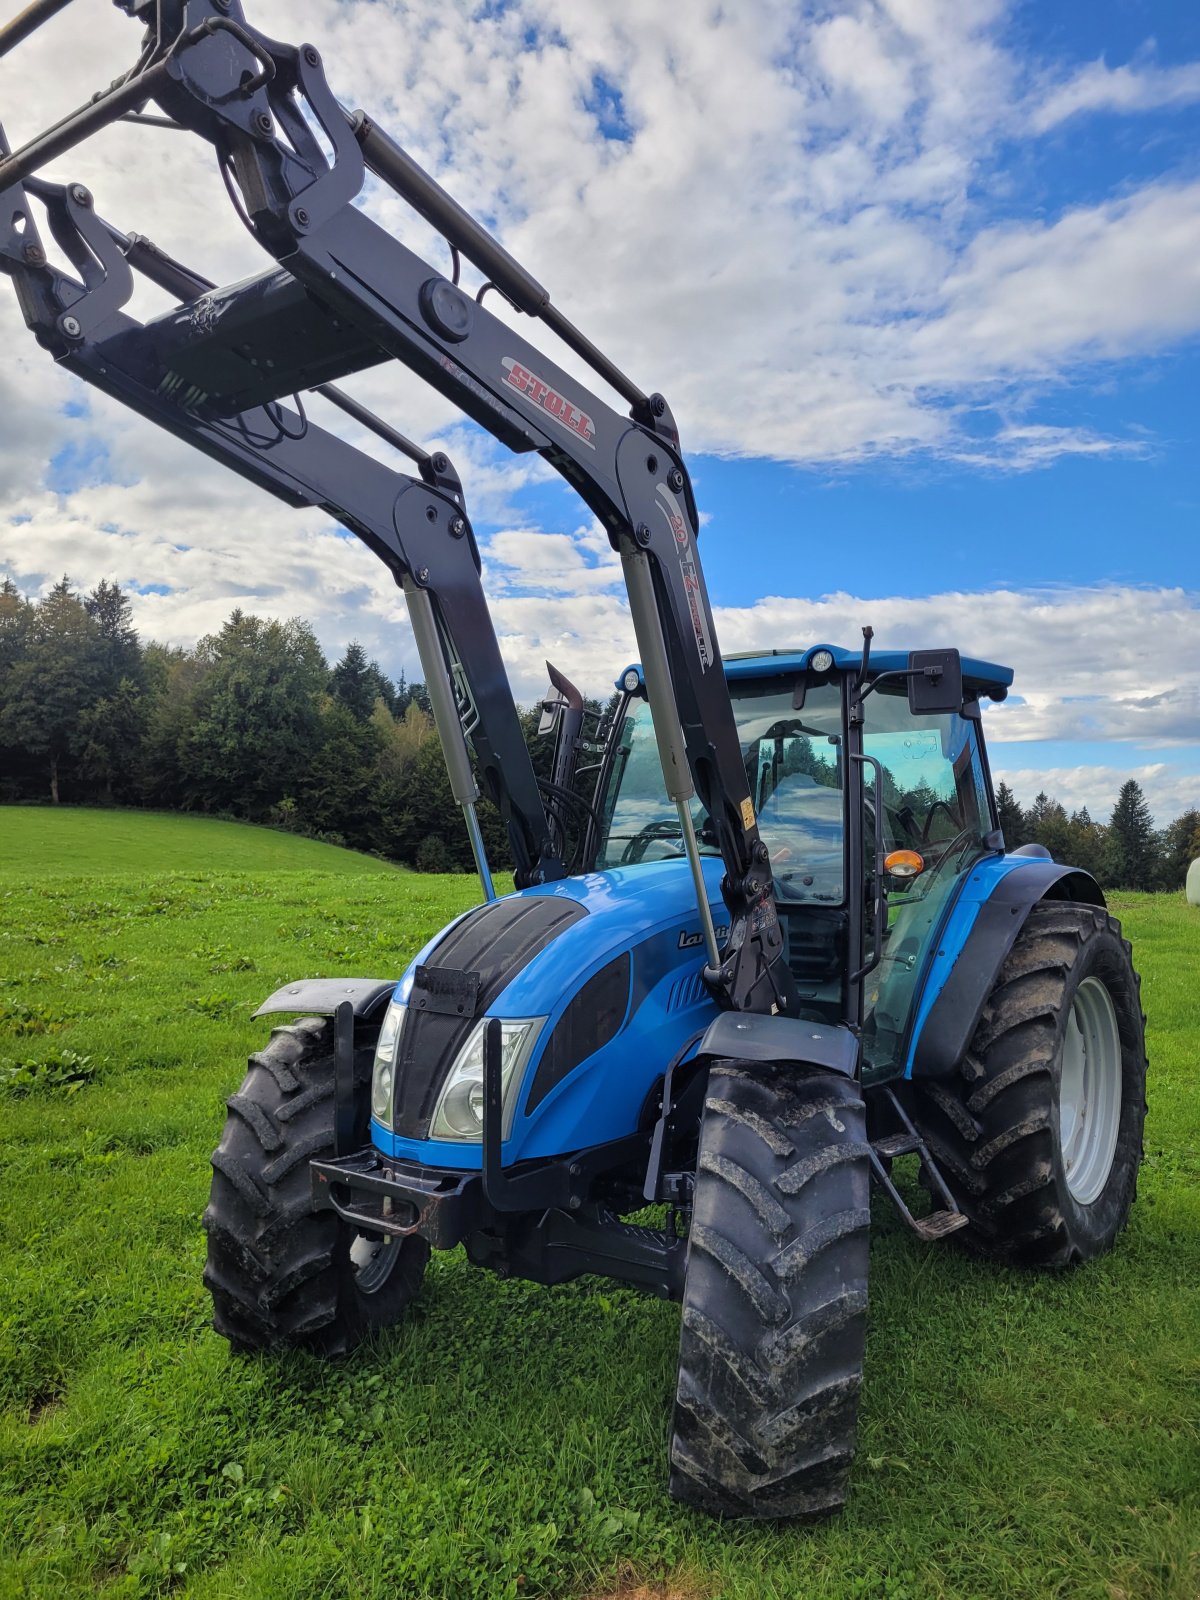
563, 411
689, 940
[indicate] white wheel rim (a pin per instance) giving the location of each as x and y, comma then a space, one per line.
372, 1260
1089, 1091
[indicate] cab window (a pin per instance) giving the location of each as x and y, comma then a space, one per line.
936, 803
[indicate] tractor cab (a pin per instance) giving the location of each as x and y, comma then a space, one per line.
872, 812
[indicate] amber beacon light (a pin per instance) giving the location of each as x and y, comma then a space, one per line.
903, 863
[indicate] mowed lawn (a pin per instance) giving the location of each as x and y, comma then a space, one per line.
1021, 1435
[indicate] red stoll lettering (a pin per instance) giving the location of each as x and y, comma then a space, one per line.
555, 405
518, 376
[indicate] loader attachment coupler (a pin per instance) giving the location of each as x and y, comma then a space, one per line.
348, 296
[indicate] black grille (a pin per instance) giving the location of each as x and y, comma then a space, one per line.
496, 941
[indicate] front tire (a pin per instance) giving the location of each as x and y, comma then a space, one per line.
1040, 1134
282, 1274
775, 1296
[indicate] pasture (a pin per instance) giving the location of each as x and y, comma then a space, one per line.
1021, 1436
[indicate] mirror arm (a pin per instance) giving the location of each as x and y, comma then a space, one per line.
880, 677
861, 690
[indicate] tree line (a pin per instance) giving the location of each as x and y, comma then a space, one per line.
1126, 852
253, 723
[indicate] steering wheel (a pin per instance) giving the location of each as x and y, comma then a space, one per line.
939, 805
657, 832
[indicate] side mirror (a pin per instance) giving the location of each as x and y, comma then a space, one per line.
551, 711
562, 709
934, 682
561, 696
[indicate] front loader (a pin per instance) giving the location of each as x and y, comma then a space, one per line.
781, 947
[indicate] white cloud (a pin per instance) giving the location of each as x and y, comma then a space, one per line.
524, 559
1115, 662
797, 241
1100, 283
793, 241
853, 57
1099, 87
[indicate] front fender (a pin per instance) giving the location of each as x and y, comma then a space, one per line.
981, 929
770, 1041
321, 997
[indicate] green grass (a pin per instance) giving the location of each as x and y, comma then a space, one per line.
44, 841
1021, 1435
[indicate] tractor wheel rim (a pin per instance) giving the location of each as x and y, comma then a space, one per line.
1089, 1091
373, 1260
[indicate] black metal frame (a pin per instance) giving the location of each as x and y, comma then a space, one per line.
544, 1221
370, 298
418, 527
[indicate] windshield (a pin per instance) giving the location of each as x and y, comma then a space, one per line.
794, 769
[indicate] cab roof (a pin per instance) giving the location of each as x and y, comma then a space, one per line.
980, 675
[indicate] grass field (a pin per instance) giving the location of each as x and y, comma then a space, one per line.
1021, 1435
44, 842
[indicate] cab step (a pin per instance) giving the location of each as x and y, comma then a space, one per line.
897, 1144
936, 1224
939, 1223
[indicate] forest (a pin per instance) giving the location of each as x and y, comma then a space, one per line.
254, 723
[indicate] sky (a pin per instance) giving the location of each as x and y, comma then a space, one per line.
920, 279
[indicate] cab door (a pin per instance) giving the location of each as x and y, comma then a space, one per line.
937, 805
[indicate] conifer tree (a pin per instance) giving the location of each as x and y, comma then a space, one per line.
50, 688
352, 683
1011, 817
1130, 853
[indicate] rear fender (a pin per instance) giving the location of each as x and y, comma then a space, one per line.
981, 929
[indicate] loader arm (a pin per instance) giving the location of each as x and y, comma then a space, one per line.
350, 296
418, 527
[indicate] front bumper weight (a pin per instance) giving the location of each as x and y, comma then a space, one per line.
399, 1198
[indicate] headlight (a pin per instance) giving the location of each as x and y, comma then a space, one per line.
459, 1111
383, 1076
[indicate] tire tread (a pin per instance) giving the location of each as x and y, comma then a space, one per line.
774, 1315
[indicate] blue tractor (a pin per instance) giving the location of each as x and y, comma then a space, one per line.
766, 936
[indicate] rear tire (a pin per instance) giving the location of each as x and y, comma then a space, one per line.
1040, 1134
281, 1273
775, 1296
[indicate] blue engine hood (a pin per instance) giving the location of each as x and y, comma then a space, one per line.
625, 906
647, 911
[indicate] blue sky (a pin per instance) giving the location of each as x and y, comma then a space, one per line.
921, 279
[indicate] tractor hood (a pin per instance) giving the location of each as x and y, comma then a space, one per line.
614, 956
533, 948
